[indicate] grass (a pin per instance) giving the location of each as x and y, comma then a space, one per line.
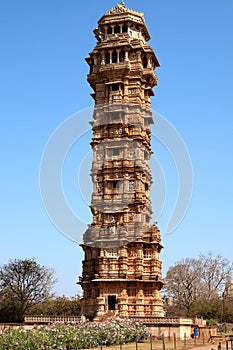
155, 346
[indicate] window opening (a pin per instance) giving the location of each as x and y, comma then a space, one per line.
115, 87
124, 28
144, 62
107, 58
114, 57
117, 29
122, 56
112, 302
109, 31
115, 184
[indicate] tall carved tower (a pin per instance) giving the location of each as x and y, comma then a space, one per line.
121, 268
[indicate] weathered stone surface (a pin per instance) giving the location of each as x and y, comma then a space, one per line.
122, 267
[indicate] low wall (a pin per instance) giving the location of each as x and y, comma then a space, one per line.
51, 319
181, 327
158, 326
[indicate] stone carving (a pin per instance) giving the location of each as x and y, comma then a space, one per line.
121, 8
100, 187
100, 156
121, 201
131, 185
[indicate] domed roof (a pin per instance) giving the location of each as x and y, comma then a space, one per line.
121, 13
121, 8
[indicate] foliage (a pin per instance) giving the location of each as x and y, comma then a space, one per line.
227, 309
180, 283
24, 283
84, 335
207, 309
196, 286
9, 310
57, 306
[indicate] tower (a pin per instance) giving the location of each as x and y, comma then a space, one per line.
121, 267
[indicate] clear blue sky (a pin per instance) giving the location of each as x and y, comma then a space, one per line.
43, 81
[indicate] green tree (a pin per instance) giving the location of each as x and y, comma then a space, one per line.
207, 309
9, 310
57, 306
24, 283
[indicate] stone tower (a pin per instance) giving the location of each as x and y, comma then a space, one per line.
121, 268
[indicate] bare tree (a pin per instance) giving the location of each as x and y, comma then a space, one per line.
215, 271
192, 281
25, 283
181, 283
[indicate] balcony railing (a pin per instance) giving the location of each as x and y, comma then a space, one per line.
51, 319
163, 320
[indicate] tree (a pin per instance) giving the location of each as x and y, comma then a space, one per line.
24, 283
214, 274
181, 283
8, 309
196, 285
58, 306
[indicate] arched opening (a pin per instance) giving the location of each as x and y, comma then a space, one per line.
114, 57
144, 62
122, 56
107, 58
109, 30
117, 29
124, 28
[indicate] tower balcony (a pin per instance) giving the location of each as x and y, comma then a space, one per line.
120, 169
102, 235
118, 70
116, 66
109, 201
123, 165
115, 133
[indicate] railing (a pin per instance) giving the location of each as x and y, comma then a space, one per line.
163, 320
76, 319
51, 319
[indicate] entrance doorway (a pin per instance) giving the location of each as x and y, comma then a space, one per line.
112, 302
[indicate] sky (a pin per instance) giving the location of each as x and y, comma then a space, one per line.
43, 82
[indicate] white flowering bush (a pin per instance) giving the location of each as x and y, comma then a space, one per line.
84, 335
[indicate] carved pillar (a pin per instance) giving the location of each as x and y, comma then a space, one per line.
110, 52
102, 58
